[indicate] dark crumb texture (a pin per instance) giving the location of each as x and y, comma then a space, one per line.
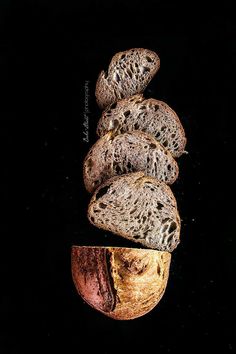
129, 152
139, 208
129, 73
149, 115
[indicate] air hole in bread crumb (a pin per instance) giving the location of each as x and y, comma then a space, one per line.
129, 73
115, 123
165, 220
117, 78
122, 56
165, 227
158, 135
168, 240
126, 114
145, 69
92, 218
136, 126
152, 146
102, 205
102, 191
165, 143
158, 270
156, 107
113, 106
117, 169
136, 237
169, 167
159, 206
149, 59
172, 227
129, 165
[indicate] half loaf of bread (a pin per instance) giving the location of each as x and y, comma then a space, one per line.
122, 283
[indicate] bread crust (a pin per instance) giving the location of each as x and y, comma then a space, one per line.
122, 283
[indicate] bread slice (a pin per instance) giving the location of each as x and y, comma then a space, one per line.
129, 152
149, 115
139, 208
129, 73
122, 283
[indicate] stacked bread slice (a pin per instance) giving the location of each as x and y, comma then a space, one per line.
128, 171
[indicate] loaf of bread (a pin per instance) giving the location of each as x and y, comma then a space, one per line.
149, 115
129, 152
129, 73
139, 208
122, 283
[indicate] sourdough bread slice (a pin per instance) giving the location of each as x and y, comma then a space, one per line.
149, 115
129, 152
139, 208
129, 73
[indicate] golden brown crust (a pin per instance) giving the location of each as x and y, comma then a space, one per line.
122, 283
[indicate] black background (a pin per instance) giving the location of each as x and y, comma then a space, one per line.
48, 51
